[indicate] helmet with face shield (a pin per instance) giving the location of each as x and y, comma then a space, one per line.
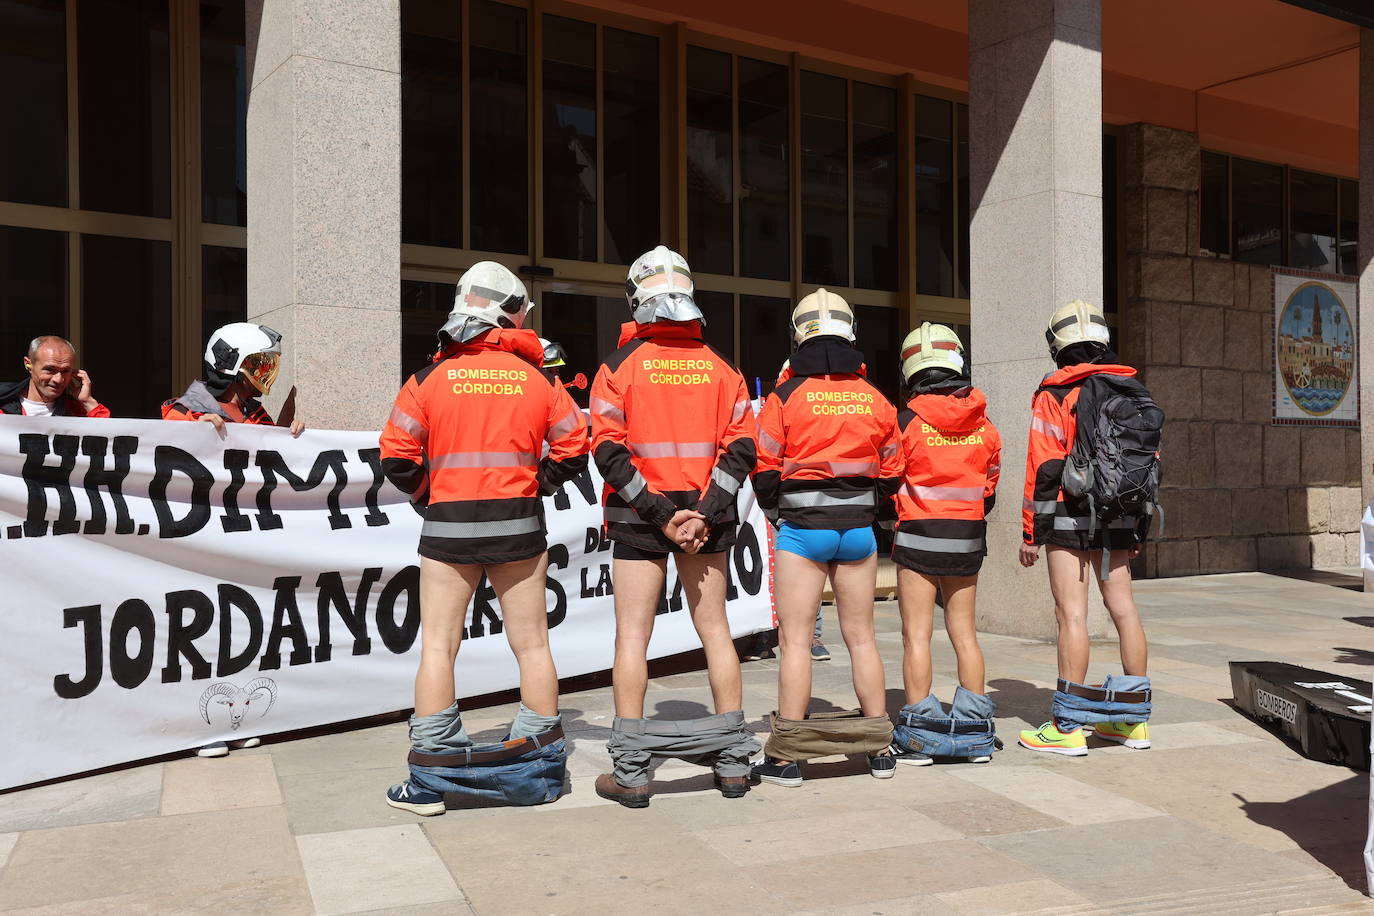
488, 296
243, 349
659, 288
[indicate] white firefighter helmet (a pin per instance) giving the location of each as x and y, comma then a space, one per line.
1077, 322
488, 296
659, 288
254, 350
553, 354
932, 346
820, 314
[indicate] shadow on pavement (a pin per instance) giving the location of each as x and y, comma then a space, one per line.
1353, 656
1328, 824
1020, 699
1362, 621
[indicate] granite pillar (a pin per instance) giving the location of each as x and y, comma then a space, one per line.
1365, 267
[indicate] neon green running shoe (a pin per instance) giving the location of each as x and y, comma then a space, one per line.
1050, 739
1132, 735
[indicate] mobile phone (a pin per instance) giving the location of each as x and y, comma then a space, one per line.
74, 386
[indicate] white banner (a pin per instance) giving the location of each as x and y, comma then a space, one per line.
166, 587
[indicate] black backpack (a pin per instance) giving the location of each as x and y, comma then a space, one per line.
1114, 462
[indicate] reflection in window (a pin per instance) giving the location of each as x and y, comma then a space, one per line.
588, 327
424, 306
1109, 204
631, 122
875, 187
223, 114
719, 311
126, 299
824, 180
123, 80
33, 101
224, 287
765, 330
431, 124
1214, 217
710, 175
569, 139
1257, 211
878, 338
934, 197
1350, 226
33, 291
763, 206
1311, 221
961, 133
499, 174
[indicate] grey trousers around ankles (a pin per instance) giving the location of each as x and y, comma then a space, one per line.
720, 742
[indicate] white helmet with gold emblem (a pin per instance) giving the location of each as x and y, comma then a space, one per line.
1077, 322
822, 314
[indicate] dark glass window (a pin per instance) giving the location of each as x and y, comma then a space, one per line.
961, 132
763, 207
424, 306
824, 179
879, 338
499, 147
631, 122
1109, 275
1350, 226
123, 80
719, 311
224, 287
1311, 221
1257, 211
765, 330
126, 306
1214, 231
33, 101
587, 327
875, 187
33, 292
934, 197
431, 123
710, 169
223, 114
569, 139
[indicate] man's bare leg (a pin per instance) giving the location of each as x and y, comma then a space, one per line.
524, 612
445, 590
638, 586
703, 583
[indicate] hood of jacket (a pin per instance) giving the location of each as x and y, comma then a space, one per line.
827, 356
1079, 371
198, 398
957, 411
661, 330
523, 342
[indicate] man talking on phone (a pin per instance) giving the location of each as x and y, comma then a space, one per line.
55, 387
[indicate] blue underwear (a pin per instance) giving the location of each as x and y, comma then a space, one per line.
824, 545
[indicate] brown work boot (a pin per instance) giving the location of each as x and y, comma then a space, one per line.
732, 786
629, 796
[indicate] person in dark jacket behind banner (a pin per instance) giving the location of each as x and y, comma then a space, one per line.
241, 364
55, 386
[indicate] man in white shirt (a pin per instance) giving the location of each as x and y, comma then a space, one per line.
55, 387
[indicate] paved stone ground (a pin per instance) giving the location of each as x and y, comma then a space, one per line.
1220, 817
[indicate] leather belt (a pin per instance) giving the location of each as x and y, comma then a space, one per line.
508, 750
1104, 696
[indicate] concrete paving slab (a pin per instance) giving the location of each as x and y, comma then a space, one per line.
353, 871
219, 784
7, 841
1022, 897
822, 834
1056, 794
898, 906
117, 796
351, 800
364, 749
987, 814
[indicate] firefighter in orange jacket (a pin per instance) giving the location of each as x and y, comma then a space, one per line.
829, 464
1078, 341
673, 437
953, 458
464, 440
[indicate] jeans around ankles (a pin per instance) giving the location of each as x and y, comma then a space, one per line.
967, 730
1075, 712
532, 778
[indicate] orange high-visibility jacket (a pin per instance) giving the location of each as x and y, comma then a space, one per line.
672, 428
1054, 423
465, 437
953, 458
829, 454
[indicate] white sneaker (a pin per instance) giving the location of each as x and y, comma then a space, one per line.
246, 742
214, 749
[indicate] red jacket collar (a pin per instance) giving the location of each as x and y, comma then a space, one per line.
523, 342
662, 330
1078, 372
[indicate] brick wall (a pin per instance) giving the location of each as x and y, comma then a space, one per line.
1239, 493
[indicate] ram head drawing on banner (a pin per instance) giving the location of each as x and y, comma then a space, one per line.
239, 700
1314, 350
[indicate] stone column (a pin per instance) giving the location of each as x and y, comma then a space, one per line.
1035, 170
1365, 356
324, 201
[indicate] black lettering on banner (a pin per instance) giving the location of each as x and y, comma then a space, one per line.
747, 546
235, 462
603, 584
181, 636
272, 464
132, 617
112, 480
399, 637
169, 460
233, 598
88, 619
285, 587
584, 485
558, 559
354, 616
40, 477
482, 600
597, 540
375, 517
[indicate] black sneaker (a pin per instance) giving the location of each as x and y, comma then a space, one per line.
409, 797
910, 758
757, 649
882, 766
778, 773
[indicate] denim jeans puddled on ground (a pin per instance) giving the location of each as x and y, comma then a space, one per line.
531, 778
1071, 712
966, 730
